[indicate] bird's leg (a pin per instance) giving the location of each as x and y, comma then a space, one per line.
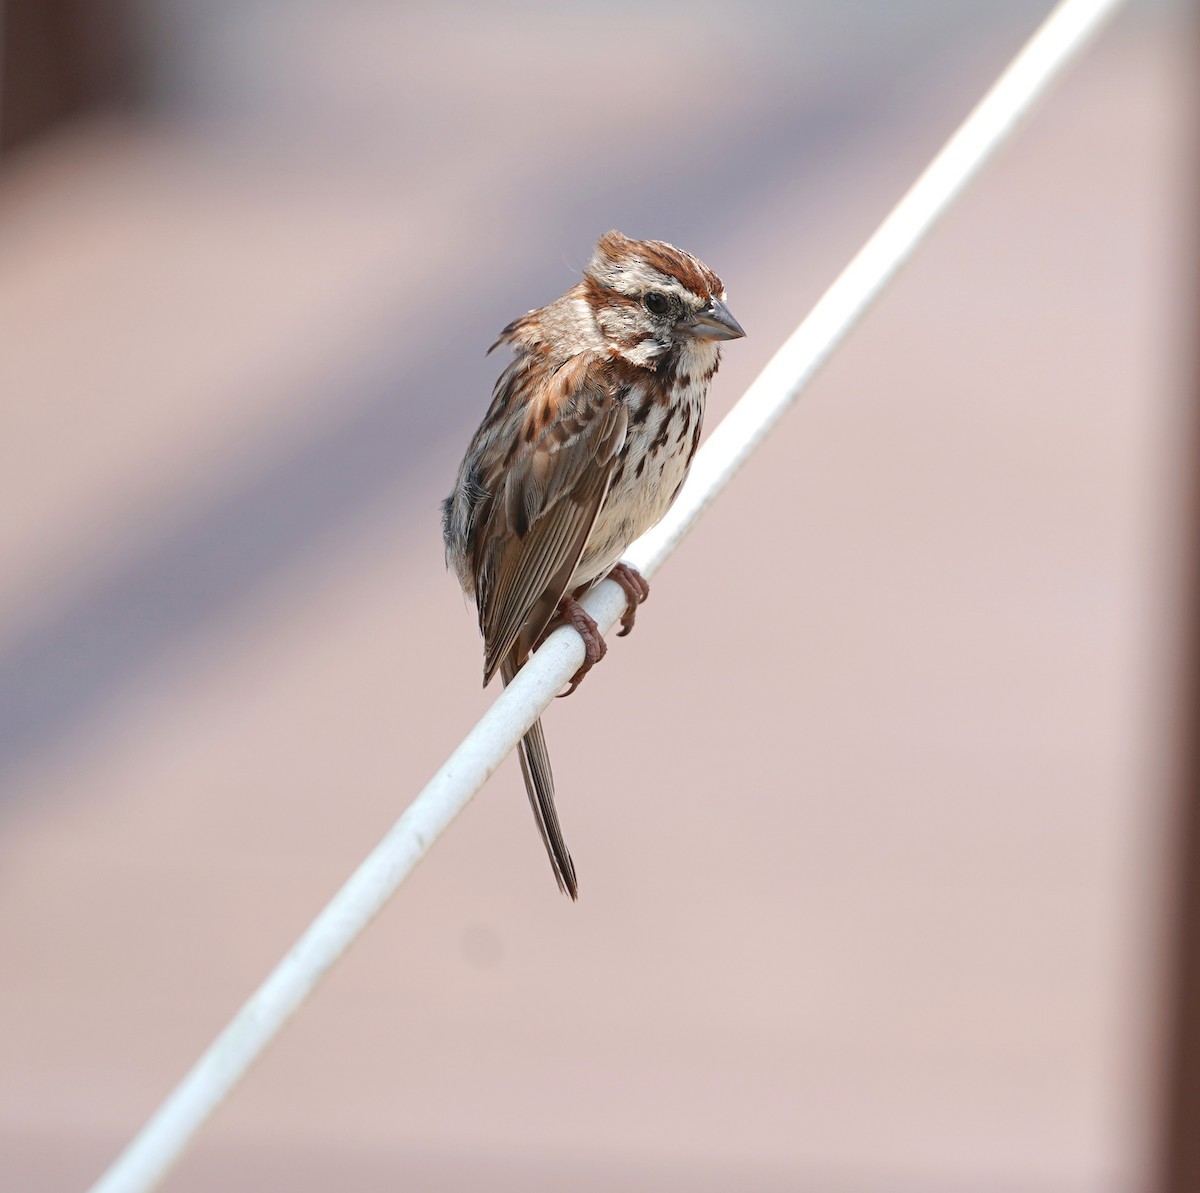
636, 589
571, 612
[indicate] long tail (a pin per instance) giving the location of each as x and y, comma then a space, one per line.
539, 784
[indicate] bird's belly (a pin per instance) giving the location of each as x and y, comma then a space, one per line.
652, 470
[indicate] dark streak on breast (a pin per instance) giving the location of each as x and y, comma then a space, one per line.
660, 440
667, 366
695, 444
639, 414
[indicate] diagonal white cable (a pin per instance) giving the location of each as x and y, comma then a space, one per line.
147, 1159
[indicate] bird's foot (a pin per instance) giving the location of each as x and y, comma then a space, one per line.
572, 613
636, 589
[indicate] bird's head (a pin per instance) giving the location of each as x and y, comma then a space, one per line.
648, 297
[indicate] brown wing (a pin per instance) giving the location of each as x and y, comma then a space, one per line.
544, 504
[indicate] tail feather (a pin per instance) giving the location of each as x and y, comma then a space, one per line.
539, 785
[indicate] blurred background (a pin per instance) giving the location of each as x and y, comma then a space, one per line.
873, 813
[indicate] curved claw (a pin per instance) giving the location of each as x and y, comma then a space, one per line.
636, 589
572, 613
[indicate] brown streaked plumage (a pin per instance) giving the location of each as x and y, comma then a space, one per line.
591, 431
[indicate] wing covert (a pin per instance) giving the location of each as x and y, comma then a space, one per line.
544, 504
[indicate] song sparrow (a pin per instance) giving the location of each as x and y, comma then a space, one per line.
591, 431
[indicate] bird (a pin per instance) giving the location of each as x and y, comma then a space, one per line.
590, 433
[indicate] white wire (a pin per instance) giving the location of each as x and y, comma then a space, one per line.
148, 1158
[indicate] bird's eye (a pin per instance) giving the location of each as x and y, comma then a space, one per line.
656, 302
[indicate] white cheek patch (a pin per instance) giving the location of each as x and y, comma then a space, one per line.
644, 353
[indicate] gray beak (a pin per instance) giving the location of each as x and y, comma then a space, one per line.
716, 322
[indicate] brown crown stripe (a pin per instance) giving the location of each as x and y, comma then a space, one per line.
696, 277
664, 257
